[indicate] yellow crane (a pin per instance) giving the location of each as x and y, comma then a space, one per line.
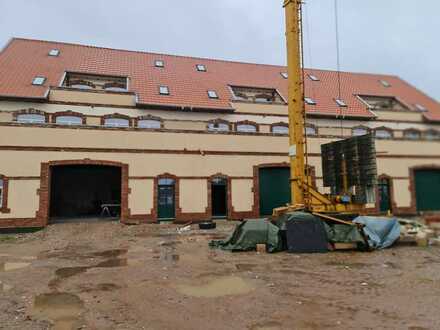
304, 195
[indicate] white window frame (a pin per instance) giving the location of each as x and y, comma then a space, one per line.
382, 133
385, 83
356, 130
38, 81
54, 52
212, 94
159, 63
341, 103
311, 131
149, 123
313, 77
201, 67
108, 122
29, 120
60, 120
280, 129
246, 128
218, 127
309, 101
164, 90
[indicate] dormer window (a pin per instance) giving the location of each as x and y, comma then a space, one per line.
212, 94
313, 77
159, 64
382, 103
285, 75
54, 52
385, 83
164, 90
257, 95
309, 101
340, 103
38, 81
86, 81
201, 67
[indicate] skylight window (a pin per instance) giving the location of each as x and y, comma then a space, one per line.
159, 64
340, 102
420, 107
164, 90
54, 52
385, 83
314, 78
212, 95
285, 75
201, 67
309, 101
38, 81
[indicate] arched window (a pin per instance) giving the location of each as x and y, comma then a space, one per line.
31, 118
149, 122
246, 127
280, 129
432, 135
360, 130
68, 120
311, 130
218, 125
412, 134
116, 120
383, 133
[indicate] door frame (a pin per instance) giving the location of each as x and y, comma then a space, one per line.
393, 205
177, 209
412, 186
228, 195
45, 184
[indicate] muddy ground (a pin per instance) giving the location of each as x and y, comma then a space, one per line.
110, 276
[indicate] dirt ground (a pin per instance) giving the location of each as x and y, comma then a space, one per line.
110, 276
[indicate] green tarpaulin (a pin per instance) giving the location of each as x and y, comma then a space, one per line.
248, 234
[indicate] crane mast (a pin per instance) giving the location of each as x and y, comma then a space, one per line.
295, 102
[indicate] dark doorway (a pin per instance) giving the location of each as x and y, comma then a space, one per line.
384, 187
274, 185
166, 209
81, 191
219, 197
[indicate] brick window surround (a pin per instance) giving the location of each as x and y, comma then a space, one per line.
4, 201
69, 113
116, 116
45, 178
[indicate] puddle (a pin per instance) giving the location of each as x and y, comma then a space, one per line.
110, 253
9, 266
226, 286
63, 309
245, 267
266, 326
112, 263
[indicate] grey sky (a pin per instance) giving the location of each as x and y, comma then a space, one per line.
394, 36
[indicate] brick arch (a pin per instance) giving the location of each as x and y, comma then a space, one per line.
45, 179
412, 183
68, 113
30, 111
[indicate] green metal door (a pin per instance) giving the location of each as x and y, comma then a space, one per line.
384, 195
428, 190
274, 185
165, 202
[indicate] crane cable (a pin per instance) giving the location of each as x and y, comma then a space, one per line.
338, 64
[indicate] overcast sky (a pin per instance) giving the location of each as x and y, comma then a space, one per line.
399, 37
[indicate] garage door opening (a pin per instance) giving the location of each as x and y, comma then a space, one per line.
85, 191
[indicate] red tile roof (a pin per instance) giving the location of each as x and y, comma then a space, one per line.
23, 59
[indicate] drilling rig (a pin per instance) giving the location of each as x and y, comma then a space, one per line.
349, 166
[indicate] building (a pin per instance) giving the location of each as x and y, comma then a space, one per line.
158, 137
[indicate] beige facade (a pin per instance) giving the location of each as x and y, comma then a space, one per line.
186, 150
